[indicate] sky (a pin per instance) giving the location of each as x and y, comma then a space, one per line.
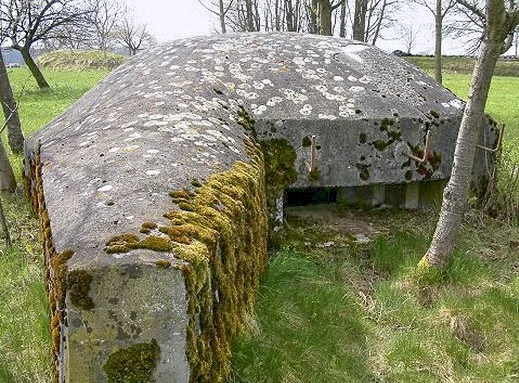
172, 19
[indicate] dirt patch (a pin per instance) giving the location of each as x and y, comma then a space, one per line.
335, 218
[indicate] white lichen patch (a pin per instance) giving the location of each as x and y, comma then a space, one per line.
356, 89
456, 103
330, 117
105, 188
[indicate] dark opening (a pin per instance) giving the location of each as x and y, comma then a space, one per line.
305, 196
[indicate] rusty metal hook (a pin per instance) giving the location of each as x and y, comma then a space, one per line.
313, 156
425, 152
499, 141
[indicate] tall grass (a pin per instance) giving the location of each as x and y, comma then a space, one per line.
24, 317
25, 341
335, 312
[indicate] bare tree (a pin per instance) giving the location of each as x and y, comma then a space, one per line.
516, 41
220, 8
312, 16
103, 17
359, 19
343, 17
439, 9
378, 18
245, 16
131, 35
499, 24
325, 9
408, 34
10, 109
25, 23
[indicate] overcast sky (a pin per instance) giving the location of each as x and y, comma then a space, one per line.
173, 19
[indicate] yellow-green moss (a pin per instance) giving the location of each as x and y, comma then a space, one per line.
280, 172
181, 194
55, 263
222, 237
196, 183
163, 264
314, 175
153, 242
123, 243
122, 239
78, 286
186, 206
134, 364
147, 227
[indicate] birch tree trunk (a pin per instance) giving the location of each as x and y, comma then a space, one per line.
455, 196
221, 15
438, 31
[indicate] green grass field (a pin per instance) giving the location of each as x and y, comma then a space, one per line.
329, 309
24, 319
464, 65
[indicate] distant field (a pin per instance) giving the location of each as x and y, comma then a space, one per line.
504, 93
502, 102
37, 107
464, 65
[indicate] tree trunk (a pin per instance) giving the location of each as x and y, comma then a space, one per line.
380, 20
312, 17
438, 42
3, 223
325, 18
36, 73
457, 191
359, 20
516, 42
222, 17
7, 180
342, 29
14, 127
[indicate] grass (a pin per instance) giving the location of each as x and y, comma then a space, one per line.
24, 318
80, 60
329, 309
353, 313
502, 101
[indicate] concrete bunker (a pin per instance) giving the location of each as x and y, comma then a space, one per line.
152, 190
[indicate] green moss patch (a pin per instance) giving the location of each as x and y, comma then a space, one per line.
134, 364
78, 285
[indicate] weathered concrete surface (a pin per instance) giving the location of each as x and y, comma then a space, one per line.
182, 117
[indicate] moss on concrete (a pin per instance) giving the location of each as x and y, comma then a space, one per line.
222, 237
78, 285
134, 364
